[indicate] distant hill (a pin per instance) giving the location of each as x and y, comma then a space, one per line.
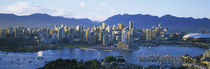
173, 23
40, 20
140, 21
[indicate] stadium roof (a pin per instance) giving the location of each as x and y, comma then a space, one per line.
197, 35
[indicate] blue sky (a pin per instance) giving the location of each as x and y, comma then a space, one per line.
102, 9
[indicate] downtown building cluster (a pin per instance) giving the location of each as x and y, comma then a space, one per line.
120, 35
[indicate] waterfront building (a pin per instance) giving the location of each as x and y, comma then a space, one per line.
130, 33
87, 34
197, 37
125, 40
148, 34
105, 35
143, 34
130, 28
122, 45
124, 35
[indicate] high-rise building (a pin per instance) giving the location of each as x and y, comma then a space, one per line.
154, 35
87, 31
103, 25
79, 28
159, 26
130, 31
123, 44
100, 34
108, 30
124, 35
130, 26
114, 27
165, 30
120, 26
148, 34
60, 31
143, 34
56, 28
107, 40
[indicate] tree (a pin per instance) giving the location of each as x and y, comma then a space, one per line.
110, 59
120, 60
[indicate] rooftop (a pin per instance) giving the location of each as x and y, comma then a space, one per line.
197, 35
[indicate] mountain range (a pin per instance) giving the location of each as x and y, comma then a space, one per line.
173, 23
181, 24
41, 20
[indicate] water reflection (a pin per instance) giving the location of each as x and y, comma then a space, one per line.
32, 60
40, 53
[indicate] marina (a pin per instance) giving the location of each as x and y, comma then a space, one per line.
142, 56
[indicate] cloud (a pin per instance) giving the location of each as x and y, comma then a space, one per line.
25, 8
113, 11
82, 4
99, 18
92, 16
57, 12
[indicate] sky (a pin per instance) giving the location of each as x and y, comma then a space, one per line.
100, 10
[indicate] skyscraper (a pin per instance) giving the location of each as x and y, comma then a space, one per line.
130, 30
87, 34
100, 34
120, 26
103, 25
148, 34
124, 35
130, 26
154, 34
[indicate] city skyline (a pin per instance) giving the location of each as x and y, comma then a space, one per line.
101, 10
104, 34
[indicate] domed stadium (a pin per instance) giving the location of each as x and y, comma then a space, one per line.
197, 37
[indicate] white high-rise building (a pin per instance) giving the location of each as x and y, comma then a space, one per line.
148, 34
103, 25
124, 35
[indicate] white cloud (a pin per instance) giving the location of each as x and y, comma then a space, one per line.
92, 16
113, 11
25, 8
82, 4
99, 18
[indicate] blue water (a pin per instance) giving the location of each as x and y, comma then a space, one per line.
21, 60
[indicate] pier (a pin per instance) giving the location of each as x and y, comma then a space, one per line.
169, 61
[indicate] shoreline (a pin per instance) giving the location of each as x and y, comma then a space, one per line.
36, 48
